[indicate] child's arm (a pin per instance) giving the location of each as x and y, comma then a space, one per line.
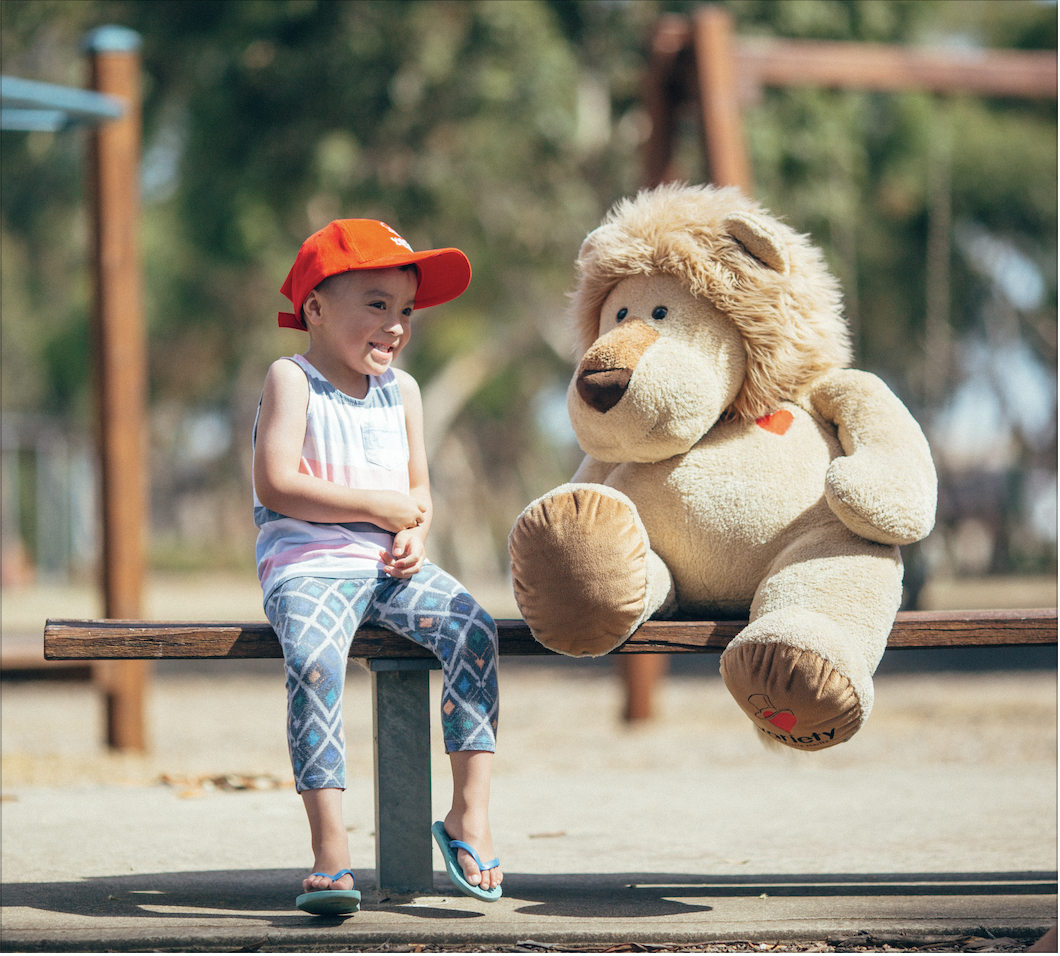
409, 550
280, 485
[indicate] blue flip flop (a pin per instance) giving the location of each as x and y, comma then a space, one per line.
330, 902
456, 872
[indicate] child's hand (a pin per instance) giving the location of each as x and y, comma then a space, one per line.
408, 555
396, 511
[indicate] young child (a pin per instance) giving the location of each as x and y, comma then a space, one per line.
343, 507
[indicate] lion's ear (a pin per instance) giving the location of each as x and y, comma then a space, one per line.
760, 238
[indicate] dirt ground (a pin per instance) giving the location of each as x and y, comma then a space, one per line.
53, 731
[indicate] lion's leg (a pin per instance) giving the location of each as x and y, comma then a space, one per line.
583, 572
802, 669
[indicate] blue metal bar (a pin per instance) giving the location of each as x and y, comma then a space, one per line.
30, 105
46, 121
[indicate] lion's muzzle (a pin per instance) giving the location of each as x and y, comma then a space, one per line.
607, 367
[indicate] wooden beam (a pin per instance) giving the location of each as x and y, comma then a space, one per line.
157, 640
761, 61
1029, 74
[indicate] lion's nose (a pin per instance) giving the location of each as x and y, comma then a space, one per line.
603, 389
607, 367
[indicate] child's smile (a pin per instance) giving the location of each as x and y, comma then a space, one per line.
359, 322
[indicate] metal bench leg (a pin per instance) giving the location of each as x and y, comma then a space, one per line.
402, 723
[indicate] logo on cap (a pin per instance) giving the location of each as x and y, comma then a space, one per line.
395, 238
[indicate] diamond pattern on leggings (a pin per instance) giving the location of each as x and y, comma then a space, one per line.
464, 639
316, 618
315, 623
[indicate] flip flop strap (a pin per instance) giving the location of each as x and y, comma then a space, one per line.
493, 864
338, 876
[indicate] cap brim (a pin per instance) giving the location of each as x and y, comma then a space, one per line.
444, 273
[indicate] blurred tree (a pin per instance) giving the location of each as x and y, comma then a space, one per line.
504, 127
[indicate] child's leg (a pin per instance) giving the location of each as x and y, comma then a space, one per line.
315, 620
331, 847
433, 609
468, 820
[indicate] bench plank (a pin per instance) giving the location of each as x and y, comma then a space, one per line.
162, 640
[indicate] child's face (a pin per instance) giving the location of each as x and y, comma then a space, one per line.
362, 318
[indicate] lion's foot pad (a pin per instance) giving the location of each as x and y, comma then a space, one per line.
579, 570
792, 696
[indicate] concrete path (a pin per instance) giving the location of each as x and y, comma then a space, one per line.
938, 818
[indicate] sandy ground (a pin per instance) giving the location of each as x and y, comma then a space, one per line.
984, 742
225, 718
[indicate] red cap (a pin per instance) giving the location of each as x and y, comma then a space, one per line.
347, 244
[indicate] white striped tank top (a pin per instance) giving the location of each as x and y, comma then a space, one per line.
354, 442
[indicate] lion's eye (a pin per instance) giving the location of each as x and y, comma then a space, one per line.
659, 312
622, 313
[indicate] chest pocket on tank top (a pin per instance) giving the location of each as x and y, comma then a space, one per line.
384, 447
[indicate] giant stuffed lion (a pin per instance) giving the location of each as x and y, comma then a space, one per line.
734, 466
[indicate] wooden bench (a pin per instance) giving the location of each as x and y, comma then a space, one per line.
400, 699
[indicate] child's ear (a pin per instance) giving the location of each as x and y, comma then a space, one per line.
311, 308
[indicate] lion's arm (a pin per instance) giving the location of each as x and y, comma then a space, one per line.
884, 488
591, 470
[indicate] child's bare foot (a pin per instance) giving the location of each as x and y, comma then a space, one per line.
474, 830
317, 881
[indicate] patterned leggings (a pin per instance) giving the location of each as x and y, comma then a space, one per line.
316, 618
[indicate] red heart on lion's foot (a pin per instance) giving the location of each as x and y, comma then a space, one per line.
784, 719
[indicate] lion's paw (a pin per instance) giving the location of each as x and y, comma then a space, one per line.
582, 569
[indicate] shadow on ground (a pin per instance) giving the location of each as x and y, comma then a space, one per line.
269, 894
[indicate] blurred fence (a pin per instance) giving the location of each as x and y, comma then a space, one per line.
50, 516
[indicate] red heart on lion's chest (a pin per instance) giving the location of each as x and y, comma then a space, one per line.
776, 422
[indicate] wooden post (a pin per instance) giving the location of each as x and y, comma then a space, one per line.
719, 99
664, 90
714, 47
119, 345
